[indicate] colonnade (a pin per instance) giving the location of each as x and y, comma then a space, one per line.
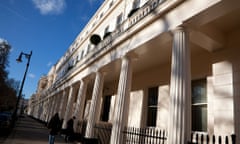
180, 95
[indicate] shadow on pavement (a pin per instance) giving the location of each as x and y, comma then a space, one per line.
29, 131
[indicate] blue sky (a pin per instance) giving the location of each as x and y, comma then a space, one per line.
47, 27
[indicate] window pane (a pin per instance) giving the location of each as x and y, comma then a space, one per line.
136, 4
199, 91
199, 118
152, 106
106, 30
106, 108
119, 19
152, 115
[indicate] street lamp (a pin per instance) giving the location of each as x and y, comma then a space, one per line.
19, 59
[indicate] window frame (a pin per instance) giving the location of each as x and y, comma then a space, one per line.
200, 105
152, 106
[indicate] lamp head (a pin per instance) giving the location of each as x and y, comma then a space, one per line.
19, 59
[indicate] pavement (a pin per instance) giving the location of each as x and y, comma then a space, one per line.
30, 131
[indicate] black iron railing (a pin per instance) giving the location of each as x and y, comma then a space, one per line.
80, 131
132, 135
81, 127
102, 131
144, 136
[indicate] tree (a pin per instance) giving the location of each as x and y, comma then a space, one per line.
8, 87
4, 53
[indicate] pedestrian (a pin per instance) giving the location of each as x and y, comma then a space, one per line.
69, 129
54, 126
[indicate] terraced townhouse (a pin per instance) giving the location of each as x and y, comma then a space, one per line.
150, 71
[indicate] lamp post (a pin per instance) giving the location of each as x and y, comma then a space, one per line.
19, 59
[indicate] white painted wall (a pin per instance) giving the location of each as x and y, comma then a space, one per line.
135, 108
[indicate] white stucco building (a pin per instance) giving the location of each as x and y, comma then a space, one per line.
172, 65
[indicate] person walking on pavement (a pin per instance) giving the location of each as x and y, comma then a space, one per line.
69, 130
54, 126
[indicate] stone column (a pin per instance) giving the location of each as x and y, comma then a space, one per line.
47, 110
39, 110
122, 102
63, 103
58, 100
80, 102
180, 90
51, 106
68, 112
95, 104
54, 105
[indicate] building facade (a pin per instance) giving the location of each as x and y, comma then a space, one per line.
161, 64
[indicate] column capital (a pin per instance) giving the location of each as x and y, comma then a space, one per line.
131, 56
180, 29
86, 79
102, 72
